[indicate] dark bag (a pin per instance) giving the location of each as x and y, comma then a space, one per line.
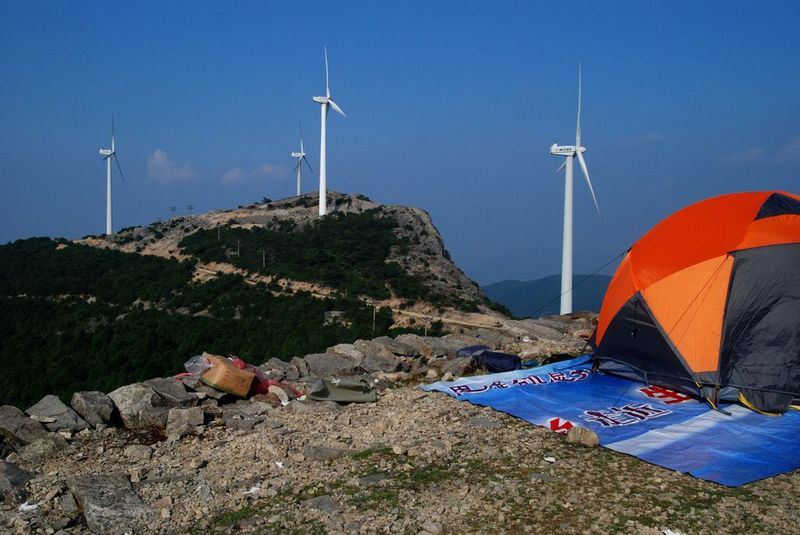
494, 362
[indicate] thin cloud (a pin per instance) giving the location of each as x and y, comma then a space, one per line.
748, 155
160, 167
265, 171
789, 152
644, 139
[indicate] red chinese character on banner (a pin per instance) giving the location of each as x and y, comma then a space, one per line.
664, 395
560, 426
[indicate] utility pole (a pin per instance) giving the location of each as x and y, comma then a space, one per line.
374, 312
264, 259
238, 249
218, 238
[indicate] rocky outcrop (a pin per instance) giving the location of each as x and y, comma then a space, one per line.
96, 408
140, 407
17, 428
56, 416
13, 480
108, 503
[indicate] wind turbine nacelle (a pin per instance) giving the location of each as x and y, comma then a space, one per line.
298, 154
562, 150
320, 100
106, 152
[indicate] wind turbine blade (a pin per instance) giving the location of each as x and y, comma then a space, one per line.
327, 83
116, 159
561, 166
299, 162
112, 133
308, 164
336, 108
588, 181
578, 128
301, 137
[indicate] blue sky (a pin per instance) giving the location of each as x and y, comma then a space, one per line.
451, 107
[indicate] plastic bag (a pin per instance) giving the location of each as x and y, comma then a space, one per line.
197, 365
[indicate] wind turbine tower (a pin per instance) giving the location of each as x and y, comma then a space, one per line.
301, 157
107, 154
325, 102
570, 152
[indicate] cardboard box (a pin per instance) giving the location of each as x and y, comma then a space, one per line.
226, 377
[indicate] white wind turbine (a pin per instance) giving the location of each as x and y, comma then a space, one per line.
570, 152
301, 157
325, 102
107, 154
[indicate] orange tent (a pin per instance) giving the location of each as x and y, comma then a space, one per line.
708, 302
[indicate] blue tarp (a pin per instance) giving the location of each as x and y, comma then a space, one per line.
655, 424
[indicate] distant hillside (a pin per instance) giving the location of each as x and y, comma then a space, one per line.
254, 281
526, 298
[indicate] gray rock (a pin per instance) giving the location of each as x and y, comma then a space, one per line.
482, 422
172, 391
140, 407
347, 350
95, 407
323, 453
300, 364
395, 347
56, 416
234, 418
434, 528
288, 369
12, 483
182, 422
326, 365
108, 504
17, 428
192, 382
380, 363
584, 437
325, 504
43, 448
426, 346
312, 407
213, 393
457, 367
138, 452
377, 358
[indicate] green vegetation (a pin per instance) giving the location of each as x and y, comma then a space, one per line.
343, 251
74, 318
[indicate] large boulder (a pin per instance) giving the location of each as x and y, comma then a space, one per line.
457, 367
427, 346
347, 350
140, 407
396, 347
331, 364
172, 392
17, 428
95, 407
376, 357
43, 448
109, 505
12, 483
56, 416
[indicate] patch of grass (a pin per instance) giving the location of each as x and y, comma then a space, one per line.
429, 474
366, 454
230, 518
377, 499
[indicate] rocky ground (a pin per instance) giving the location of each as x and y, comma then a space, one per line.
411, 462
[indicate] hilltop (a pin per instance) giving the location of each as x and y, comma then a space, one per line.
391, 254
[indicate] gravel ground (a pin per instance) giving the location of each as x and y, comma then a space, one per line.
412, 462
